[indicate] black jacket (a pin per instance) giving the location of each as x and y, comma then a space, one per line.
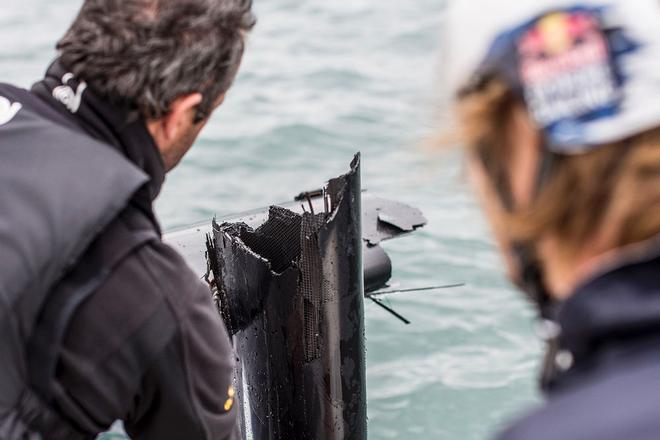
147, 347
608, 384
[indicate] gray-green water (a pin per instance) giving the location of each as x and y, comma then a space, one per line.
321, 80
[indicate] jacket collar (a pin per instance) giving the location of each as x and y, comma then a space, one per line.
611, 316
115, 124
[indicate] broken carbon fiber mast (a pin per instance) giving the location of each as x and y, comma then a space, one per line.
292, 295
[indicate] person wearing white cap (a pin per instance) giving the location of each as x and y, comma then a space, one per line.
558, 107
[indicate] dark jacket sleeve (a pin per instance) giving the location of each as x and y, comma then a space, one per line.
149, 348
187, 392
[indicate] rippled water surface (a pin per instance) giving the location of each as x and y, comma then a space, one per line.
321, 80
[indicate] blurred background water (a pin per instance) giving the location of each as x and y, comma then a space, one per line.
321, 80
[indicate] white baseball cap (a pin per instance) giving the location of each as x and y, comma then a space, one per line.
588, 72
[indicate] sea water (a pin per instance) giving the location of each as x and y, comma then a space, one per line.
321, 80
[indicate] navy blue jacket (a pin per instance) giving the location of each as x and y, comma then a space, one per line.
608, 381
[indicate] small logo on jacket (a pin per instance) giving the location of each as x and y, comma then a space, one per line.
231, 394
8, 110
67, 96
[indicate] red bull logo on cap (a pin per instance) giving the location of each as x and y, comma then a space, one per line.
565, 67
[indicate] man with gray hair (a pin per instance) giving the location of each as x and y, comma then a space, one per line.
100, 320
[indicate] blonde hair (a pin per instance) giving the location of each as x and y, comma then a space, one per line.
610, 195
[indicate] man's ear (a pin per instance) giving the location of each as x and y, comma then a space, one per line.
181, 115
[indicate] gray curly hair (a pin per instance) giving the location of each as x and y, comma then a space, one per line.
147, 53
